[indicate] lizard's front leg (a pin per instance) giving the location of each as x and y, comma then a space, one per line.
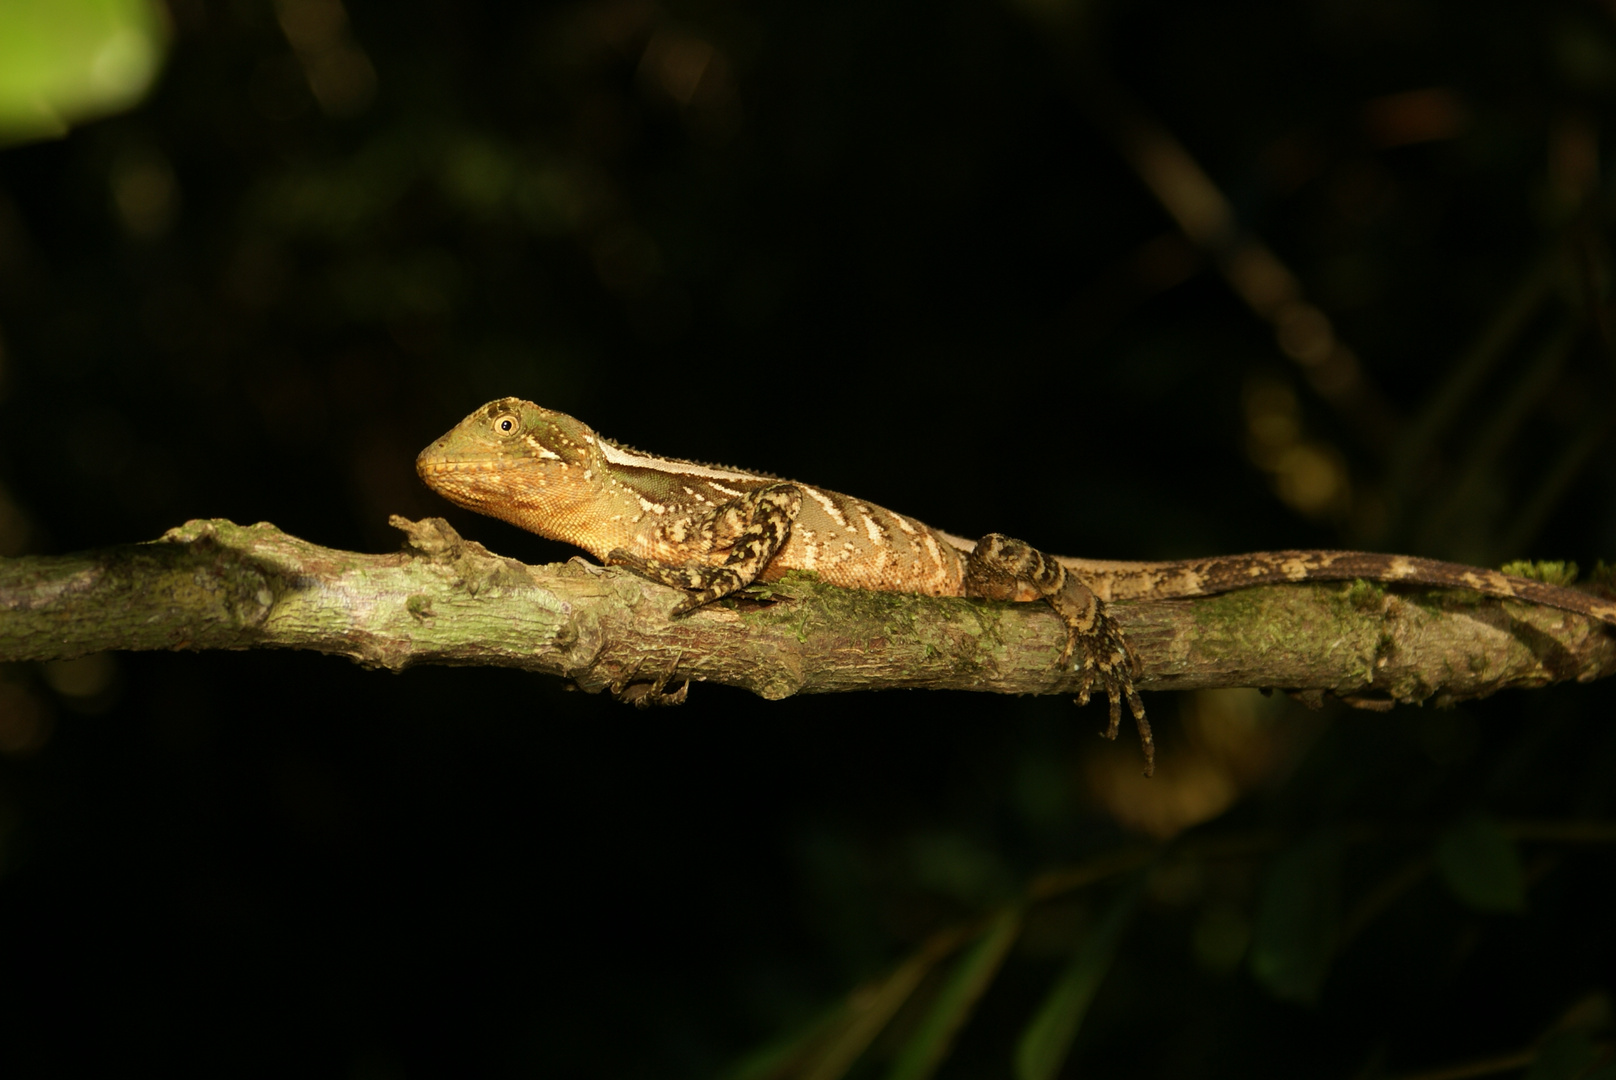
751, 528
1001, 568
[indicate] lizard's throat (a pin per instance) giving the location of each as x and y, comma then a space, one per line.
548, 502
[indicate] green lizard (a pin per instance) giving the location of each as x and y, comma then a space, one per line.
710, 531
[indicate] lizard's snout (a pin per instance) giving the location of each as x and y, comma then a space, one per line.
433, 460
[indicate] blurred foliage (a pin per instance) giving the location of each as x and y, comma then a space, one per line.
1134, 280
1047, 1039
1480, 865
66, 61
1297, 918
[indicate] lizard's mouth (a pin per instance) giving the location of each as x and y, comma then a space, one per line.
430, 464
463, 480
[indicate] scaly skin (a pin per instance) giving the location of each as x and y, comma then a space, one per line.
710, 531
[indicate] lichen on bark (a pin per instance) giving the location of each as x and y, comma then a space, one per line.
442, 599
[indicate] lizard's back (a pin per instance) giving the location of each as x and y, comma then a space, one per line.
849, 542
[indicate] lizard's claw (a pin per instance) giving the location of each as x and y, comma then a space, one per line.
651, 695
643, 695
678, 577
701, 582
1108, 658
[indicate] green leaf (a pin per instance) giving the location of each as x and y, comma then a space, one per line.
827, 1048
1564, 1057
972, 973
1047, 1039
66, 61
869, 1009
786, 1054
1480, 866
1298, 915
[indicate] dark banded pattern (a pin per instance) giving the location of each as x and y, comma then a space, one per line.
1205, 577
711, 530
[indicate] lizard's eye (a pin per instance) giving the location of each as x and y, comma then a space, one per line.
505, 424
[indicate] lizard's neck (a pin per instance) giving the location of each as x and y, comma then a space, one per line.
563, 501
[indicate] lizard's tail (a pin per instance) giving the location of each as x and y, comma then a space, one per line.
1223, 573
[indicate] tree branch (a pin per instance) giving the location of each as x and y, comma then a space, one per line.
445, 600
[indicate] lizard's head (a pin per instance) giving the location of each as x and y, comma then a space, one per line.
514, 460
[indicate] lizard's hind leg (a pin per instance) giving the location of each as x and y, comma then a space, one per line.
1001, 568
750, 530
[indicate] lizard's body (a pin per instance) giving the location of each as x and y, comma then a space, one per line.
645, 505
712, 530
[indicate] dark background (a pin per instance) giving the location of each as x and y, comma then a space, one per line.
898, 249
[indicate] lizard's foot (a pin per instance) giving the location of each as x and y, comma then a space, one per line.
1108, 659
1002, 568
703, 583
650, 695
647, 695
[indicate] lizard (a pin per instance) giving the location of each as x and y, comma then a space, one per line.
710, 530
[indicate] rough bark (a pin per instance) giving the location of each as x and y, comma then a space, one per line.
445, 600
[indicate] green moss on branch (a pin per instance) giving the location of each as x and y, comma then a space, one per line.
445, 600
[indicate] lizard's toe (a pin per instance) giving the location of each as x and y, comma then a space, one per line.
1111, 662
624, 557
701, 583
